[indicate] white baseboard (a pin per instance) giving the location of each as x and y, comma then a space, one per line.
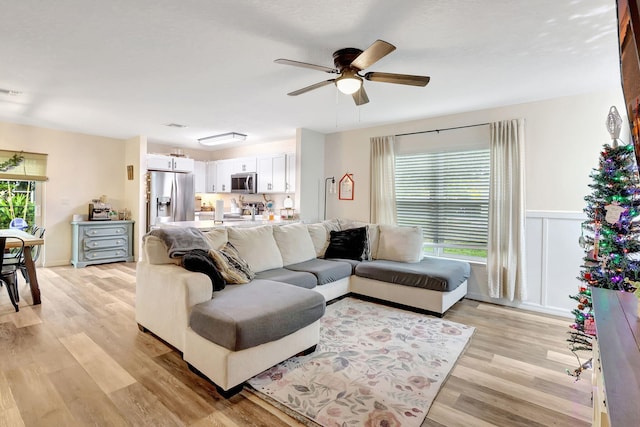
521, 305
56, 263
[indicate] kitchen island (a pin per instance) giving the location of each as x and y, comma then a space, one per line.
229, 222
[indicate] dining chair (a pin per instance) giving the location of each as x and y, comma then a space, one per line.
16, 256
8, 274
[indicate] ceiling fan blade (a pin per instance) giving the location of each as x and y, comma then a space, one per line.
306, 65
402, 79
360, 97
312, 87
378, 50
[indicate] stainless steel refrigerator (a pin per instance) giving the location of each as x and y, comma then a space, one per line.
171, 197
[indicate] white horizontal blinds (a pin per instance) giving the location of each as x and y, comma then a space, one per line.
447, 194
23, 166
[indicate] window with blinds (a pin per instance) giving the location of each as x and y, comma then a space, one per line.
447, 194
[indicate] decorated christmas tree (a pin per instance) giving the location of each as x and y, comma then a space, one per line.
610, 235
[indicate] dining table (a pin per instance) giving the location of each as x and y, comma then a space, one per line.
30, 241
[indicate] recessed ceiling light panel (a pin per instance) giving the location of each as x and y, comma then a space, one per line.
222, 138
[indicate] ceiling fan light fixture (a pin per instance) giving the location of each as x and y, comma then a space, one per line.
349, 82
222, 138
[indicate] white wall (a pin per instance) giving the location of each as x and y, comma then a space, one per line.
564, 137
309, 179
135, 189
80, 168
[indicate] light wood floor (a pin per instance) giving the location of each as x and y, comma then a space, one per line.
78, 359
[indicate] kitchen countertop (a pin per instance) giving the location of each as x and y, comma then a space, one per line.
229, 222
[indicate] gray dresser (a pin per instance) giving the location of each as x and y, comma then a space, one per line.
99, 242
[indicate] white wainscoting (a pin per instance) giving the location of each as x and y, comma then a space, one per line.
553, 264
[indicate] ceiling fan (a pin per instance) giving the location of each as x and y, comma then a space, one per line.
349, 62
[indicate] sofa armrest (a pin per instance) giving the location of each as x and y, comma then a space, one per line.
165, 295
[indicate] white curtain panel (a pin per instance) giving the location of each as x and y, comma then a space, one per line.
506, 257
383, 186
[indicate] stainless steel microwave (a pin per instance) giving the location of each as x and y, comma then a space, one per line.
245, 182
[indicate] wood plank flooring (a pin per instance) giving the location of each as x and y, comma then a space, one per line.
79, 359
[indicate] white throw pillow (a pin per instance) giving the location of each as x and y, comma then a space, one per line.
331, 225
346, 224
294, 242
403, 244
373, 234
257, 246
156, 252
320, 238
217, 237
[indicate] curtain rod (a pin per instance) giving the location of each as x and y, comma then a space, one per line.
439, 130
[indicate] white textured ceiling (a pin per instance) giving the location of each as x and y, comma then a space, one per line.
122, 68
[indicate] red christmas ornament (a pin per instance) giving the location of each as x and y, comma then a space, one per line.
587, 276
580, 307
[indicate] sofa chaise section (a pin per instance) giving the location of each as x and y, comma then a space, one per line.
246, 329
436, 274
255, 313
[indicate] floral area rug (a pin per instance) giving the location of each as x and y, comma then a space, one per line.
374, 366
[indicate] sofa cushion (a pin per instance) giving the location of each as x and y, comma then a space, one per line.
433, 273
347, 244
331, 225
294, 242
298, 278
320, 238
325, 271
346, 223
180, 240
232, 268
402, 244
217, 237
256, 313
156, 252
257, 246
352, 262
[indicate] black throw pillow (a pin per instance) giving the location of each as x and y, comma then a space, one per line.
199, 261
347, 244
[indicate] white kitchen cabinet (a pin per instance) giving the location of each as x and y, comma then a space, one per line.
223, 176
243, 164
200, 176
158, 162
182, 164
212, 177
290, 185
272, 174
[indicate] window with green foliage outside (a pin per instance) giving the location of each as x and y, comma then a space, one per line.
17, 200
447, 195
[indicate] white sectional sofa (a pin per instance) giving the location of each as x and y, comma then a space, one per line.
232, 334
